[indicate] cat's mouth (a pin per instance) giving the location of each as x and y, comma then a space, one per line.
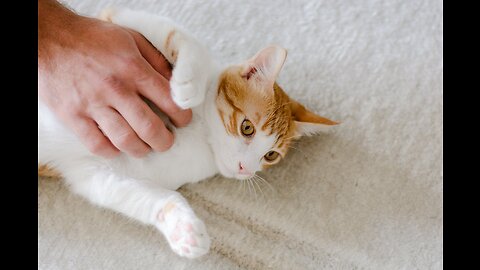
230, 173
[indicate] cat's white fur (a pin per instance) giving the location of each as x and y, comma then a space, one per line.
144, 189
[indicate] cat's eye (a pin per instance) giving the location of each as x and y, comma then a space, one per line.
247, 128
271, 156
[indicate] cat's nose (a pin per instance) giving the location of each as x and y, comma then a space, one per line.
242, 169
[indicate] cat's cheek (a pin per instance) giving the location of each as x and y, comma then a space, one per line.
222, 168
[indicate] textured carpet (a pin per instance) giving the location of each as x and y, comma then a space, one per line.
368, 195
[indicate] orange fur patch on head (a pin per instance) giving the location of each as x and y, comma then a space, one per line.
232, 127
257, 118
268, 110
279, 115
236, 101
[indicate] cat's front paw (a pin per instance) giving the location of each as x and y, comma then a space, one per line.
185, 233
189, 81
187, 94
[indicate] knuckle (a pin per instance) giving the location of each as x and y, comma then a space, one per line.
71, 108
114, 84
159, 86
70, 117
139, 112
126, 140
75, 112
150, 130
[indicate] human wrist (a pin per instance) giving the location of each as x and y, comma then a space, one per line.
56, 27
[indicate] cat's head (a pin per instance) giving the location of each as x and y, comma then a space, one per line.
259, 120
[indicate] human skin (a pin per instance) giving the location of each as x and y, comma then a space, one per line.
94, 75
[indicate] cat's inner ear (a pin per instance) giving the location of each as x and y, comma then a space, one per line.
307, 122
263, 68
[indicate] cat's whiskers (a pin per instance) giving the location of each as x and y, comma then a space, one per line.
247, 187
247, 184
259, 187
266, 182
243, 185
253, 187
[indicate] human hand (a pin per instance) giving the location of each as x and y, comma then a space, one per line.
93, 75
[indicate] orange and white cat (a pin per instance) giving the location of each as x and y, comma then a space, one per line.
242, 123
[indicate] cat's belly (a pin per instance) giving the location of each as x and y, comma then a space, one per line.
189, 160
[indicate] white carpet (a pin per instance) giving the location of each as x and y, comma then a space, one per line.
366, 196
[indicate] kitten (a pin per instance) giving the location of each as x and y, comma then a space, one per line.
243, 122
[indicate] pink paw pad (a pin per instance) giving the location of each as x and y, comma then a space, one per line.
188, 227
175, 235
191, 241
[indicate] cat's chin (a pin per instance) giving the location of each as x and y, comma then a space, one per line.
237, 176
242, 176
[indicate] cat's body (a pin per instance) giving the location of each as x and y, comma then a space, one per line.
242, 122
59, 148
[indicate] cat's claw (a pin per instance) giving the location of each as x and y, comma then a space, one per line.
185, 233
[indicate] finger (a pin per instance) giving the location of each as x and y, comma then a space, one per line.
157, 90
120, 133
146, 124
89, 134
153, 56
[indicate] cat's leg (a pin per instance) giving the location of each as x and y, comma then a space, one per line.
146, 202
193, 66
190, 80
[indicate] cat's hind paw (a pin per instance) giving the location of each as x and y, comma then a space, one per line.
189, 239
185, 233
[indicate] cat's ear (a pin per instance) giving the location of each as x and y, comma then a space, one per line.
263, 68
308, 123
